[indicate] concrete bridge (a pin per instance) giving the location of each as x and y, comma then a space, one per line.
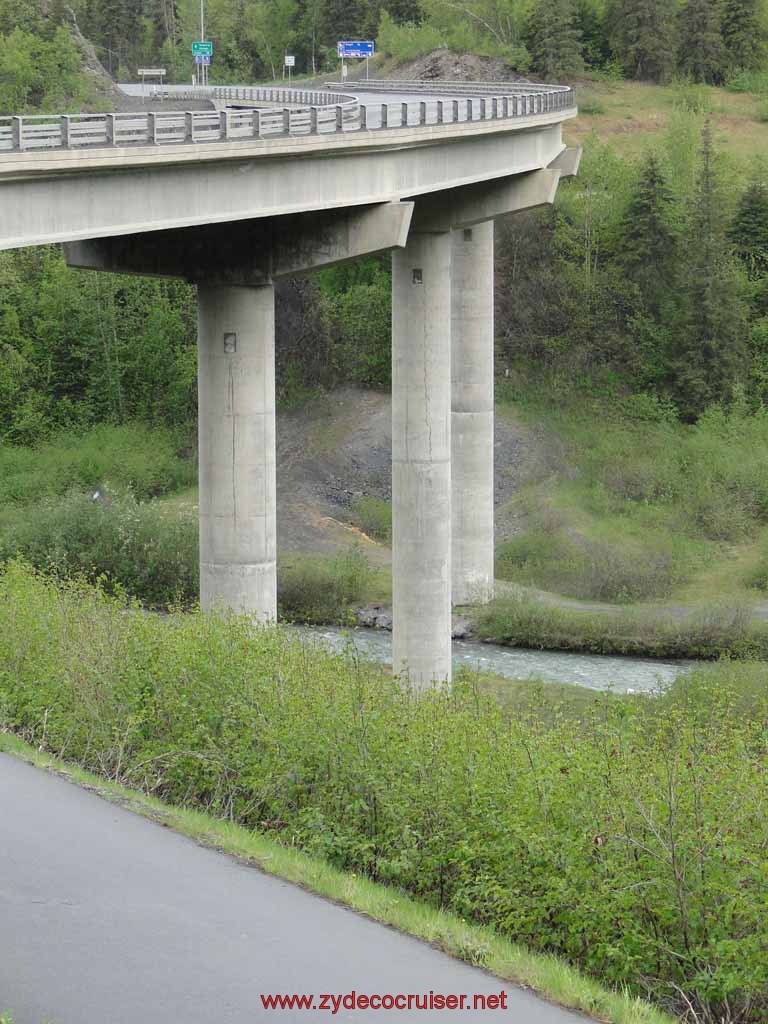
281, 182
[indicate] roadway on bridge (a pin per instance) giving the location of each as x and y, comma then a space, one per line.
108, 918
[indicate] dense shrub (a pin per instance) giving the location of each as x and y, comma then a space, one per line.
311, 589
145, 460
632, 841
374, 517
588, 568
709, 632
149, 552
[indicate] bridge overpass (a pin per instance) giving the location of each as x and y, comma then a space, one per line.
277, 182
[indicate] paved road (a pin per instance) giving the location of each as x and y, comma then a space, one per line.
108, 918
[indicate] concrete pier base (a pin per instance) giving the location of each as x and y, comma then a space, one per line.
236, 388
472, 402
421, 458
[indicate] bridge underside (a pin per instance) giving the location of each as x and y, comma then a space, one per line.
442, 388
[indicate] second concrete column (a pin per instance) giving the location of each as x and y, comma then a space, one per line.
236, 389
472, 414
421, 458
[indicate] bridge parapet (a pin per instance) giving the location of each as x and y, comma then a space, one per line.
260, 113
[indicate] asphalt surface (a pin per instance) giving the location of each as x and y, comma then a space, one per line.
108, 918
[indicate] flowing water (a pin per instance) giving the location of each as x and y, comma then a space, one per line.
597, 672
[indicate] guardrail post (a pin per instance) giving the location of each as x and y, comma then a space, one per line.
151, 129
313, 120
404, 115
224, 124
189, 126
65, 122
17, 133
455, 110
257, 124
422, 112
384, 115
111, 126
286, 120
339, 117
440, 112
363, 117
482, 108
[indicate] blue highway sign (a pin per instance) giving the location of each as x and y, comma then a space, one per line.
356, 48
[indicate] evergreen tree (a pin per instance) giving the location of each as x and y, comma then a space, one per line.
702, 55
709, 349
647, 250
554, 40
749, 232
643, 35
743, 35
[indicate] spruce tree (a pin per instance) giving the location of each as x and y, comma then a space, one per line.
709, 349
702, 55
554, 40
749, 232
647, 249
743, 35
644, 37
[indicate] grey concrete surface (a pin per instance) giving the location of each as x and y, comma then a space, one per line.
107, 918
421, 458
472, 402
237, 449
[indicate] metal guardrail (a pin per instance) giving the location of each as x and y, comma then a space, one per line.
302, 118
444, 86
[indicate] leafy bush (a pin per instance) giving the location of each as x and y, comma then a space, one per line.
588, 568
144, 550
406, 41
138, 458
749, 81
710, 632
374, 517
632, 841
322, 590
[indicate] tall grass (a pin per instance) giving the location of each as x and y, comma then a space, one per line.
144, 460
631, 841
709, 632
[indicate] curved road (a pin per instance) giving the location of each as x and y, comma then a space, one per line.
108, 918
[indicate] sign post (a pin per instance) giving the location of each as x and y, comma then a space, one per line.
150, 73
362, 49
203, 54
289, 62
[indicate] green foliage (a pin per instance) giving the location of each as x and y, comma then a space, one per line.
146, 462
142, 550
709, 344
407, 40
374, 517
554, 39
749, 231
589, 568
702, 52
711, 632
744, 37
629, 838
40, 73
311, 589
643, 32
647, 247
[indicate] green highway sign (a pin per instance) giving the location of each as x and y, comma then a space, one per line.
202, 49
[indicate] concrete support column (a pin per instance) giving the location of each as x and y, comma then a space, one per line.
421, 458
472, 414
236, 388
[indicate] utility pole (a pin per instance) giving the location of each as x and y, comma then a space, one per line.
203, 67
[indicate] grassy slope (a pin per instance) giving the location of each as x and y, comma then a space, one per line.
626, 114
